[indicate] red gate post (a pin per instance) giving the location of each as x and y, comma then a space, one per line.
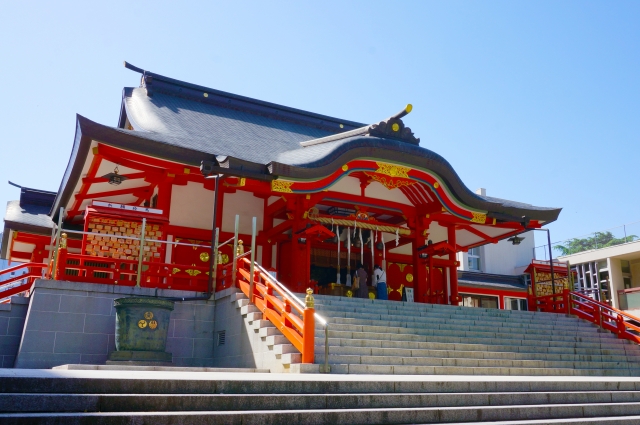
309, 327
567, 300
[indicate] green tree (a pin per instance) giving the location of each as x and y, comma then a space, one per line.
598, 240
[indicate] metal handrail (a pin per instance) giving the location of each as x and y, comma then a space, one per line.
321, 319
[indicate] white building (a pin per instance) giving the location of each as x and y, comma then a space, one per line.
610, 274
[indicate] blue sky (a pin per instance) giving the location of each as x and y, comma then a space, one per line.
536, 101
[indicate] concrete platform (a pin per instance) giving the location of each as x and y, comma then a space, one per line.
151, 368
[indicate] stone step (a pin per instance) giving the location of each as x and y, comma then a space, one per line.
444, 324
467, 362
396, 369
445, 318
21, 402
498, 355
478, 333
285, 349
471, 339
343, 416
245, 310
622, 350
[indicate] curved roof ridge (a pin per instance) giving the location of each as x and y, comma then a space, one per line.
204, 94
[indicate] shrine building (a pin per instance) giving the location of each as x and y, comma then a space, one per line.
327, 194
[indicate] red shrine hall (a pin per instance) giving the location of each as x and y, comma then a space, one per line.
327, 194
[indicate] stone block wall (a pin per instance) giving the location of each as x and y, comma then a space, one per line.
12, 317
74, 323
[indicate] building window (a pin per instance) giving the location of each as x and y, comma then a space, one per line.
472, 300
515, 304
473, 259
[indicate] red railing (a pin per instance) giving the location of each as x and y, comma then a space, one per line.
585, 307
8, 286
281, 308
87, 268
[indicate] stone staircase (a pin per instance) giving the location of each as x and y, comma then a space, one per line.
129, 397
387, 337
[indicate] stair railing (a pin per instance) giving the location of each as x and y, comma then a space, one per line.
319, 318
300, 332
605, 316
9, 287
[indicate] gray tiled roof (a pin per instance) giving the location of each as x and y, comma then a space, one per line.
213, 129
28, 214
491, 281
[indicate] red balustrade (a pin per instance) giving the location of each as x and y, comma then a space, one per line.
7, 287
625, 325
297, 323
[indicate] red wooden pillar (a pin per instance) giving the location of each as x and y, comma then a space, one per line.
420, 284
267, 224
300, 250
454, 298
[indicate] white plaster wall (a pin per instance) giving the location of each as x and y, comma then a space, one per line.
504, 257
437, 233
247, 206
378, 191
191, 206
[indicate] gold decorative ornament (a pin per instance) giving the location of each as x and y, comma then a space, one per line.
436, 185
206, 94
63, 241
142, 324
224, 259
281, 186
192, 272
349, 293
341, 125
392, 170
395, 126
409, 277
175, 270
153, 324
204, 256
345, 167
372, 296
148, 315
478, 218
240, 248
309, 300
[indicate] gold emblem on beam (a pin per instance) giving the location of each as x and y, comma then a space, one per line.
142, 324
478, 218
193, 273
148, 315
153, 324
392, 170
204, 256
281, 186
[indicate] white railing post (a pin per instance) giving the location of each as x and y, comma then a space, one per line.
141, 256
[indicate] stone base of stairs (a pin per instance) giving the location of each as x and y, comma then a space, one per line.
169, 397
158, 368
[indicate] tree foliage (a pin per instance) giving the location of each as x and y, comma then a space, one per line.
597, 241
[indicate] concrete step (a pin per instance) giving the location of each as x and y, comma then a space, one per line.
445, 330
472, 339
498, 355
559, 320
448, 324
469, 362
21, 402
352, 342
396, 369
342, 416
